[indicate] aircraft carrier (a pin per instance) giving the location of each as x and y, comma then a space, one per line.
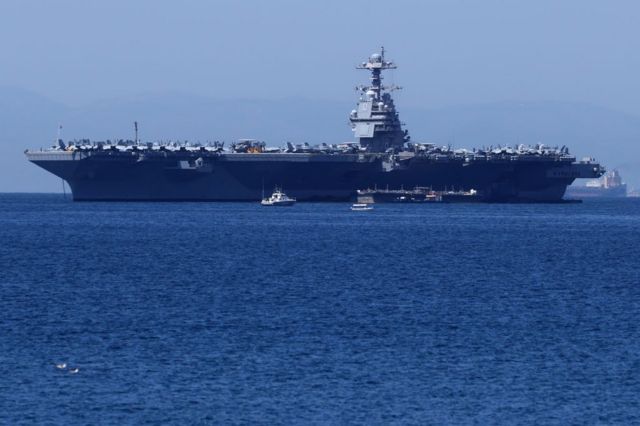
383, 155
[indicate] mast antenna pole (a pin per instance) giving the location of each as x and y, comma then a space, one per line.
135, 126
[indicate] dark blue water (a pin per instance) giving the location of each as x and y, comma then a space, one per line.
210, 313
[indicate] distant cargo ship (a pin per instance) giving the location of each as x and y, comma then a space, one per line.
383, 155
609, 186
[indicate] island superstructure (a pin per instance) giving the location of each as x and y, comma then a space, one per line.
382, 156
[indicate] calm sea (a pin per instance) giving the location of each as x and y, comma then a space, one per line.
207, 313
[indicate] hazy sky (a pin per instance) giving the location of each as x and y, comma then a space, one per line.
449, 51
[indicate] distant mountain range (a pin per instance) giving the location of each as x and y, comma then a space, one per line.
28, 120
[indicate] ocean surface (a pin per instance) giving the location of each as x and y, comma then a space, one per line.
209, 313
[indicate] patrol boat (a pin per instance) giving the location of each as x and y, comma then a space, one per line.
361, 207
383, 155
278, 198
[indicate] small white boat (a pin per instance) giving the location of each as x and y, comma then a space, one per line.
361, 207
278, 198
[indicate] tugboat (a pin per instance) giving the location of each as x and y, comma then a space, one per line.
278, 198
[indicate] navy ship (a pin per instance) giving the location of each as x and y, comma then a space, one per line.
383, 155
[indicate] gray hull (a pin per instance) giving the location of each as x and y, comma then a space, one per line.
187, 176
